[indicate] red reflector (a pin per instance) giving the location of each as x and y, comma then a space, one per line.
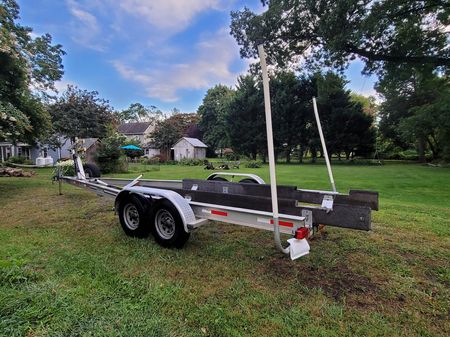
219, 213
283, 223
301, 233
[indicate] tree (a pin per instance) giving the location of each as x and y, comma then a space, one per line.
25, 62
168, 131
415, 110
136, 112
109, 152
334, 32
368, 103
81, 113
345, 126
292, 111
245, 118
212, 114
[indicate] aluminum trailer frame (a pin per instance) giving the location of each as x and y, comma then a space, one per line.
190, 203
246, 204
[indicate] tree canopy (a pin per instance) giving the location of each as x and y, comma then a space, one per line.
212, 113
170, 130
25, 63
334, 32
81, 113
137, 112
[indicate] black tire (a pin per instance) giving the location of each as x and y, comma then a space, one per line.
91, 170
218, 179
248, 181
134, 216
167, 225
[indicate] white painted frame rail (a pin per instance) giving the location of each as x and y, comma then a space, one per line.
324, 146
270, 150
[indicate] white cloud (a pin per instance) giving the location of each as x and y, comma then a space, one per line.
85, 27
211, 65
169, 16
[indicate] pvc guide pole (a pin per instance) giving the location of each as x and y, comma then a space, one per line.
270, 149
324, 146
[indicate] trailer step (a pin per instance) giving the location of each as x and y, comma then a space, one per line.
196, 224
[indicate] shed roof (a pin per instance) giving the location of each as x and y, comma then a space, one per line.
88, 142
133, 128
193, 141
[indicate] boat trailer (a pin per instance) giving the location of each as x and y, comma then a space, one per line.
172, 209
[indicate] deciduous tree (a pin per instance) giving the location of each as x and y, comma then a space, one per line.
212, 113
81, 113
25, 62
334, 32
168, 131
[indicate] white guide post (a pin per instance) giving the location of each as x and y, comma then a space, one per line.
273, 178
324, 146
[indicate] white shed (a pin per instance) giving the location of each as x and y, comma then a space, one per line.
191, 148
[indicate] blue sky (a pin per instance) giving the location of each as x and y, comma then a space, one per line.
165, 53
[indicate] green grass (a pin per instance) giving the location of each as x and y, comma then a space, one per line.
66, 268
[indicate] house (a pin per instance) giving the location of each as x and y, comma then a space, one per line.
140, 132
8, 150
31, 153
191, 148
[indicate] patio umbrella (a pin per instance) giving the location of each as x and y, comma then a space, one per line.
131, 147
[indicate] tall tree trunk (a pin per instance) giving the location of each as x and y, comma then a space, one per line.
313, 155
288, 155
421, 149
300, 154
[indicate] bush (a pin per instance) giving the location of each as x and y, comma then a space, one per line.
18, 160
152, 161
65, 168
109, 155
191, 162
253, 164
232, 156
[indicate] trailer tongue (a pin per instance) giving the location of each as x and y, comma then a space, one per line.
172, 209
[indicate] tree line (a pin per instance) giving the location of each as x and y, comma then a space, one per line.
235, 117
404, 43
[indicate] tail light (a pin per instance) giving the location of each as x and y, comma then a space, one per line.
301, 233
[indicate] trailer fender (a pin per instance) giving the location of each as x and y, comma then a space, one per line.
181, 204
124, 194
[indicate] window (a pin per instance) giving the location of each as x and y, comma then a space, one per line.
26, 152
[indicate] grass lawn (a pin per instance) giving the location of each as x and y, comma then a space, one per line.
67, 269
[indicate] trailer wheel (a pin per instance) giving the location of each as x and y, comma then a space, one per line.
91, 170
248, 181
134, 217
218, 179
167, 225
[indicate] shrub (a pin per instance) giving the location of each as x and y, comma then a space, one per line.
253, 164
232, 156
152, 161
17, 160
191, 162
109, 155
65, 168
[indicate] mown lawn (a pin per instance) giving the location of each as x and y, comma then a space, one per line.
66, 268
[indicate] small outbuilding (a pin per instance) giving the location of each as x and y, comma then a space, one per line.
191, 148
